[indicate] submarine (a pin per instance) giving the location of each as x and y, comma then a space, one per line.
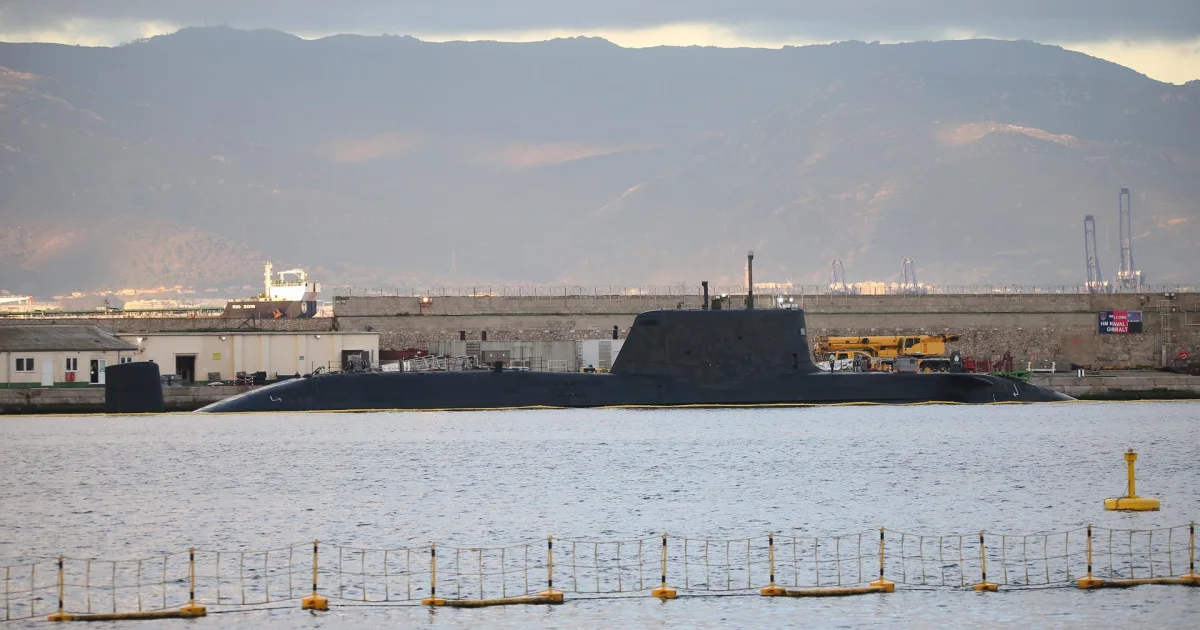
671, 358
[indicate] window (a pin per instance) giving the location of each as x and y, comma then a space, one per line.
125, 360
72, 364
25, 364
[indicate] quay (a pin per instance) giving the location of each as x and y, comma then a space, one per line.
1122, 385
39, 400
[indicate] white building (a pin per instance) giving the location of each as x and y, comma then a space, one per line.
58, 355
221, 356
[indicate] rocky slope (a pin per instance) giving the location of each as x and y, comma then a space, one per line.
188, 158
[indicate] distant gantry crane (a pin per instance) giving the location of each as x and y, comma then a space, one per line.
1128, 277
908, 276
1095, 283
837, 278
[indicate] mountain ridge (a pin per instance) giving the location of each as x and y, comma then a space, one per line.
580, 161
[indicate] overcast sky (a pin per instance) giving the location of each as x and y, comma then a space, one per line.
1160, 38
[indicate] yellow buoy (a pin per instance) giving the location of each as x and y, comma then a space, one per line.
664, 592
1131, 502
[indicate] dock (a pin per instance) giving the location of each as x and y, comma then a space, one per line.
1122, 385
39, 400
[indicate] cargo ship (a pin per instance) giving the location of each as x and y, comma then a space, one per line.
670, 358
285, 298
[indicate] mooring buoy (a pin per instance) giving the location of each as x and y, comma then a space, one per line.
1131, 502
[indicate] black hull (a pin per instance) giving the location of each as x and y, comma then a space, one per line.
511, 389
670, 359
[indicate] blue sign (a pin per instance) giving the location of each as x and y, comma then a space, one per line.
1120, 322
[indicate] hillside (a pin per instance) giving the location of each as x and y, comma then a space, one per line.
188, 158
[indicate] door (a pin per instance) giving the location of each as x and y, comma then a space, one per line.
47, 373
185, 367
96, 373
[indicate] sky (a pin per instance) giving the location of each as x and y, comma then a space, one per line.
1159, 38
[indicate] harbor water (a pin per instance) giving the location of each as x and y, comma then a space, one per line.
124, 487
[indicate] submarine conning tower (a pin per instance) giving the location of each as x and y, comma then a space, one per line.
725, 345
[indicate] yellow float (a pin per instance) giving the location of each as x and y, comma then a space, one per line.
1131, 502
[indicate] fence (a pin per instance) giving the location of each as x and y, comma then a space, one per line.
450, 364
197, 312
685, 290
184, 584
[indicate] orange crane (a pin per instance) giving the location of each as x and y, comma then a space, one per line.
930, 350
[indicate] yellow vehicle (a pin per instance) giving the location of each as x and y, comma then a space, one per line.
930, 350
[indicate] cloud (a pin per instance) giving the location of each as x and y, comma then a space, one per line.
1062, 20
84, 31
527, 155
1160, 38
356, 151
678, 34
1171, 61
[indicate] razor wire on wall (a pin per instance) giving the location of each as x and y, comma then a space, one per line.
687, 290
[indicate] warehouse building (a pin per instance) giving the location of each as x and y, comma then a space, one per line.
59, 355
224, 356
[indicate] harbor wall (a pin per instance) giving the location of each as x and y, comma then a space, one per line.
1107, 386
32, 400
1032, 327
388, 306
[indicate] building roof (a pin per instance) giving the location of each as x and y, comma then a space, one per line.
244, 332
58, 338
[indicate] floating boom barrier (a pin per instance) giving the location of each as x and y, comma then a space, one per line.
315, 575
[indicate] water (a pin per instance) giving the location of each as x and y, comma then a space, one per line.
138, 486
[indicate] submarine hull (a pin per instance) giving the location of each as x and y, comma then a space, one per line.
670, 358
501, 390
